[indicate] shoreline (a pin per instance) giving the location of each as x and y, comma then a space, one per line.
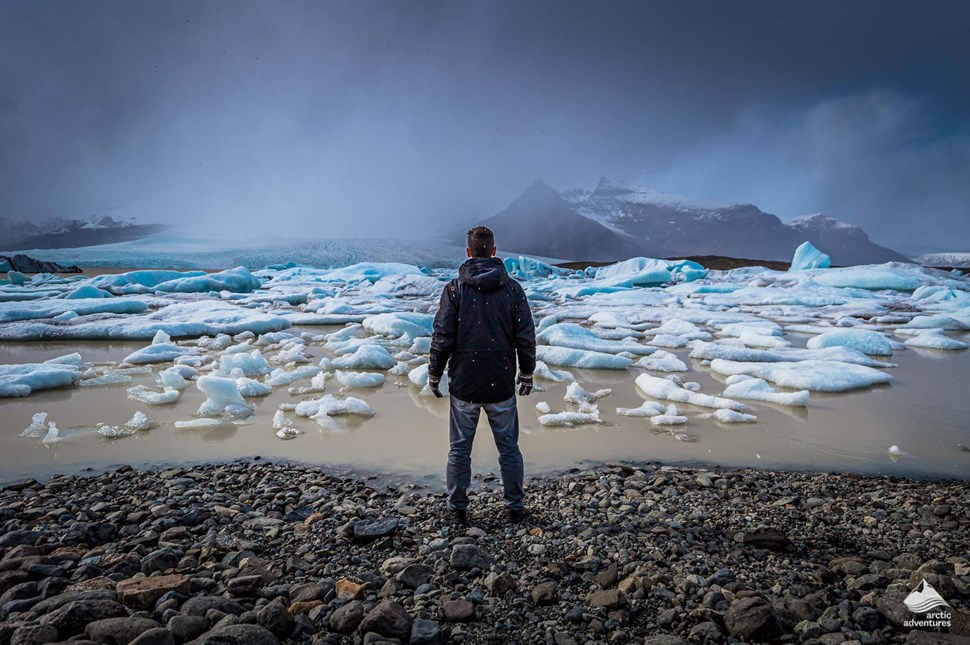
262, 551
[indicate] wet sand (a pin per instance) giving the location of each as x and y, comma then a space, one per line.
925, 412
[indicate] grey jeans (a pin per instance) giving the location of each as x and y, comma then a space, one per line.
503, 418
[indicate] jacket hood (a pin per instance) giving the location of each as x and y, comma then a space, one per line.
484, 274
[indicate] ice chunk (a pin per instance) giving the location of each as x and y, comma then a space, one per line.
894, 451
406, 285
543, 408
280, 376
408, 324
320, 410
661, 388
531, 269
661, 361
730, 416
643, 272
114, 432
172, 377
543, 371
367, 357
712, 351
37, 427
88, 291
293, 353
683, 328
222, 397
646, 409
670, 417
586, 415
359, 379
946, 323
935, 339
861, 340
812, 375
574, 336
198, 424
419, 376
875, 278
53, 434
24, 378
37, 309
251, 388
808, 257
140, 422
566, 357
400, 369
664, 340
67, 315
576, 394
288, 433
109, 378
251, 363
148, 396
238, 280
421, 345
160, 351
756, 389
753, 338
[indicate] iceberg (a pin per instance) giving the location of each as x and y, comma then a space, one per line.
367, 357
935, 339
808, 257
40, 309
756, 389
222, 397
861, 340
408, 324
251, 363
666, 390
24, 378
574, 336
713, 351
812, 375
238, 280
359, 379
566, 357
875, 278
86, 292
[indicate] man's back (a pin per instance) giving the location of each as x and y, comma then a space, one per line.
483, 324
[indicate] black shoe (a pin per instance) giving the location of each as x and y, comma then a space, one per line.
517, 515
459, 517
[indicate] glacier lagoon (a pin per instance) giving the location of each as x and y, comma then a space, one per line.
799, 340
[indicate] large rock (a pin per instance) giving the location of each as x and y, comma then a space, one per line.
275, 617
187, 628
469, 556
369, 530
160, 560
238, 635
159, 636
608, 598
346, 619
33, 635
387, 619
752, 618
118, 631
414, 575
425, 632
458, 610
767, 538
143, 593
70, 619
199, 605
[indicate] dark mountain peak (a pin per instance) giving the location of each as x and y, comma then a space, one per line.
540, 191
821, 221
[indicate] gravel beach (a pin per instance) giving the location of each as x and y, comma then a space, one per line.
258, 552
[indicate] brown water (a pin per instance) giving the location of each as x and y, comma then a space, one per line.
926, 412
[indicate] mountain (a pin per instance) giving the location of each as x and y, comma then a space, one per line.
59, 233
541, 222
675, 226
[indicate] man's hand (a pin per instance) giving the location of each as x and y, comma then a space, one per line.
525, 384
434, 382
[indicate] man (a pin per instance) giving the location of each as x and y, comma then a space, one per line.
483, 324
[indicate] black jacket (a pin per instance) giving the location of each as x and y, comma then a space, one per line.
483, 323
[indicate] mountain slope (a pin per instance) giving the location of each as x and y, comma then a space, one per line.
540, 222
58, 233
675, 226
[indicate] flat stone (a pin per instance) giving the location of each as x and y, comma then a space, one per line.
346, 619
767, 538
608, 598
752, 618
387, 619
143, 593
118, 630
158, 636
545, 593
425, 632
238, 635
369, 530
469, 556
458, 610
350, 590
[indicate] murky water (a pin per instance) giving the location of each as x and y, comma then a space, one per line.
926, 412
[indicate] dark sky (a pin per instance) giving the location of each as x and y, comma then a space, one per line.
378, 118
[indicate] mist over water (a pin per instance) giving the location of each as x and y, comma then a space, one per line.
394, 119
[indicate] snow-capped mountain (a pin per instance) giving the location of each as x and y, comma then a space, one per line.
957, 260
675, 226
541, 222
59, 232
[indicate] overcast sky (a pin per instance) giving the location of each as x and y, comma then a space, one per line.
378, 118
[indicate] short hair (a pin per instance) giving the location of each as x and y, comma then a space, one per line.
481, 241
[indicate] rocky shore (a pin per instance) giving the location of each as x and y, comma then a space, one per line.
255, 552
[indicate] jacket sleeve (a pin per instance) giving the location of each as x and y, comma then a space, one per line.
525, 333
445, 330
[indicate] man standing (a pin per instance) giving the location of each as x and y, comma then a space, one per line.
483, 324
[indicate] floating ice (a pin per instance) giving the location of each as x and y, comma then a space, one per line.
671, 417
683, 328
251, 363
409, 324
288, 433
808, 257
148, 396
23, 378
142, 281
359, 379
730, 416
37, 427
251, 387
421, 345
587, 415
222, 397
543, 408
661, 361
573, 336
543, 371
173, 378
646, 409
527, 268
661, 388
756, 389
88, 291
320, 410
53, 434
644, 272
280, 376
238, 280
576, 394
935, 339
861, 340
198, 424
367, 357
812, 375
712, 351
162, 350
664, 340
114, 432
140, 422
875, 278
406, 285
110, 378
38, 309
895, 451
419, 376
565, 357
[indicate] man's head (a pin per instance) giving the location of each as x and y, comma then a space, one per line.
481, 242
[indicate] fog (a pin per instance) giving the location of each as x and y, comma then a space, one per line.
375, 118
